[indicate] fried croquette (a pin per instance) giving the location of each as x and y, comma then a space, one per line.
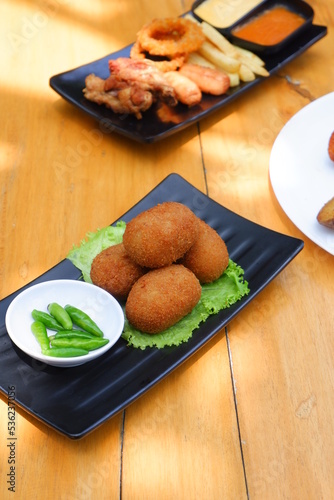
114, 271
331, 147
208, 257
162, 297
161, 235
326, 215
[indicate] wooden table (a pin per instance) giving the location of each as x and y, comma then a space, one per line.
252, 413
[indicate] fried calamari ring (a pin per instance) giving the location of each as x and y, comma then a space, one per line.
171, 63
137, 51
170, 36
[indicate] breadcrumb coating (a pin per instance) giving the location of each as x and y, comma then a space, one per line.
114, 271
161, 235
162, 297
208, 257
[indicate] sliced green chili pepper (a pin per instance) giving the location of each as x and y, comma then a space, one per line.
49, 321
82, 320
65, 352
62, 316
39, 330
89, 344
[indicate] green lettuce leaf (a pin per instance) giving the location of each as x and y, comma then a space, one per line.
83, 255
220, 294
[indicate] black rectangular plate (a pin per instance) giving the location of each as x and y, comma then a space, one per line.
74, 401
150, 128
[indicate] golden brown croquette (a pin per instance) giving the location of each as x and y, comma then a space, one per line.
208, 257
326, 214
161, 235
114, 271
162, 297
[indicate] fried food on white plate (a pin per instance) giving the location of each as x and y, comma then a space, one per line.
326, 215
331, 147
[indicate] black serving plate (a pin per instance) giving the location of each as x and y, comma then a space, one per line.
74, 401
152, 127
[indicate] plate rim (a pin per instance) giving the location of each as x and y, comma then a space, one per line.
274, 175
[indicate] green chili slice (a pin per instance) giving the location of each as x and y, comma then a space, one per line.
65, 352
62, 316
89, 344
81, 319
39, 330
49, 321
74, 334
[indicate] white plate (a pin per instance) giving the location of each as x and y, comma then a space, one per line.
97, 303
301, 172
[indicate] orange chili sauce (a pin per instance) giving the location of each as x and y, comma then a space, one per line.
271, 27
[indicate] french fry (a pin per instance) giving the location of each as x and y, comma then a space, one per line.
218, 58
239, 63
258, 70
246, 74
219, 40
190, 17
234, 79
195, 58
244, 55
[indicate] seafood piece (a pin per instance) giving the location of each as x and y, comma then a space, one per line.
209, 80
167, 63
131, 88
142, 73
170, 36
129, 100
186, 90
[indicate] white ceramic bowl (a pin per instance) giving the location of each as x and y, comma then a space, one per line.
102, 307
